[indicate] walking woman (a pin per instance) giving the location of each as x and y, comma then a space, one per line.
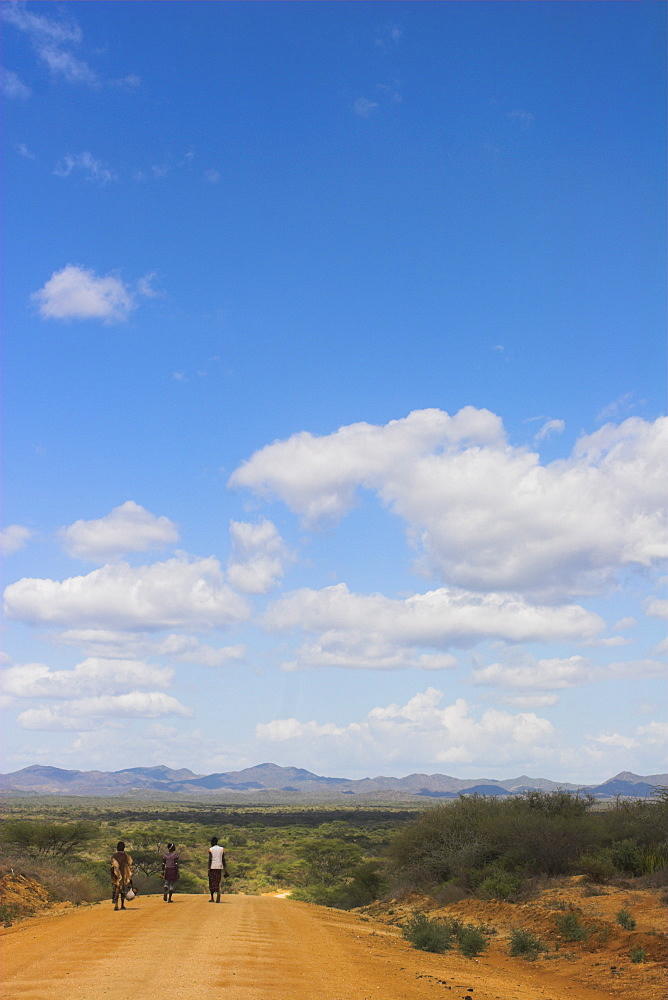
217, 867
121, 875
170, 872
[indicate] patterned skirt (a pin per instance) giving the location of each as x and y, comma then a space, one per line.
214, 879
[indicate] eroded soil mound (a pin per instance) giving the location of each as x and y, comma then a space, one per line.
20, 896
589, 946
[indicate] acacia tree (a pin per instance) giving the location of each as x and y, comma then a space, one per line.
43, 839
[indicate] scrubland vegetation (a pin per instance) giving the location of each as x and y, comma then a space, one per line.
484, 847
498, 849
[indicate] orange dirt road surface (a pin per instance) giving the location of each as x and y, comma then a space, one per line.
246, 948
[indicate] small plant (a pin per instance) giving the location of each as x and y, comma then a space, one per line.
637, 954
471, 941
499, 884
525, 944
570, 928
427, 934
626, 920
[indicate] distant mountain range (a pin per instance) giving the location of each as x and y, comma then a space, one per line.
271, 783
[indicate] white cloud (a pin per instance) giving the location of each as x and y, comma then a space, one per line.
623, 404
658, 607
23, 151
212, 175
145, 288
13, 86
94, 676
131, 81
650, 737
376, 631
77, 293
363, 107
558, 674
128, 528
614, 740
182, 648
13, 538
545, 675
85, 713
51, 39
258, 556
94, 169
550, 427
486, 515
177, 593
421, 730
530, 700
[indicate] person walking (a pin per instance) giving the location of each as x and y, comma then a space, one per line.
217, 867
170, 872
121, 875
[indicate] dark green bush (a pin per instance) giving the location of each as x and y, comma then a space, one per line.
525, 944
627, 856
471, 941
498, 884
637, 954
569, 926
598, 867
626, 920
427, 934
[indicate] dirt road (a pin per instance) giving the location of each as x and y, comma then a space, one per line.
246, 948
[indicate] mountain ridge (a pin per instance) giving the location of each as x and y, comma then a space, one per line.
286, 783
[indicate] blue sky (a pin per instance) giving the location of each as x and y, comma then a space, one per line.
334, 386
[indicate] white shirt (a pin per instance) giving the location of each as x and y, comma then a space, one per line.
216, 853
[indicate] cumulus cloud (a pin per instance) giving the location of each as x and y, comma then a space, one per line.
651, 737
368, 631
13, 86
93, 169
94, 676
77, 293
558, 674
422, 729
86, 713
177, 593
258, 556
128, 528
13, 538
486, 515
182, 648
52, 40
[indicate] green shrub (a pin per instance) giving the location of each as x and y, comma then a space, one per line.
653, 859
569, 926
627, 856
525, 944
598, 867
427, 934
499, 884
626, 920
637, 954
471, 941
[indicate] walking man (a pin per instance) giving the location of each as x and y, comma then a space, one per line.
217, 867
121, 875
